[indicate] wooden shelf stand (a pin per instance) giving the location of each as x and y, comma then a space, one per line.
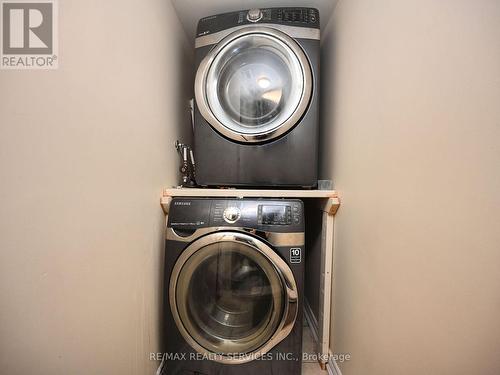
332, 203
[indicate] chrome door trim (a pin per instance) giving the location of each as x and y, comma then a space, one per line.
288, 283
274, 238
203, 69
293, 31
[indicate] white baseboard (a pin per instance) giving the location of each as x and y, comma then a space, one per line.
331, 366
311, 320
160, 367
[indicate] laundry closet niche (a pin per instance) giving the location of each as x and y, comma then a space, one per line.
319, 215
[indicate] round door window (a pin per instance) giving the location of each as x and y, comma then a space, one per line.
229, 298
254, 84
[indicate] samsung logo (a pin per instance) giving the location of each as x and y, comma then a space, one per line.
182, 203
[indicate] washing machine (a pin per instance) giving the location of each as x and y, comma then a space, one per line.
233, 287
256, 98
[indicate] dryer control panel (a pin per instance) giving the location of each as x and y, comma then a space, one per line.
294, 16
276, 215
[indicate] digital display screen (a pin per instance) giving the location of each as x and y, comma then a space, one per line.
274, 214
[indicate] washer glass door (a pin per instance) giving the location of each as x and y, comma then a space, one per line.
256, 85
227, 296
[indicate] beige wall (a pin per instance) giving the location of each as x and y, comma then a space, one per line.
412, 141
84, 153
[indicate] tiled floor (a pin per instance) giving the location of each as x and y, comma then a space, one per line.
308, 346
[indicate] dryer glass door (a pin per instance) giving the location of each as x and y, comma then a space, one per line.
227, 296
255, 85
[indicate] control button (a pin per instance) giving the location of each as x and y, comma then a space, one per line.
232, 214
254, 15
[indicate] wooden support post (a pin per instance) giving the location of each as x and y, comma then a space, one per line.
329, 209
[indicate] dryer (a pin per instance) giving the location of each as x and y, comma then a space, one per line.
233, 287
256, 98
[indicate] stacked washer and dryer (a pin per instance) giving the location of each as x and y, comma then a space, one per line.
234, 267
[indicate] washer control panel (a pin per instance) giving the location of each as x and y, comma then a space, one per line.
231, 214
266, 214
277, 214
274, 214
261, 213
